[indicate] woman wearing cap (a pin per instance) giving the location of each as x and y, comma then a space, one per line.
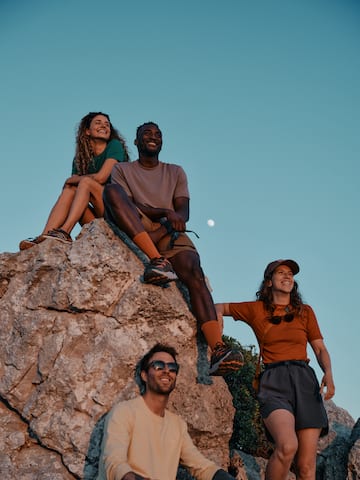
289, 394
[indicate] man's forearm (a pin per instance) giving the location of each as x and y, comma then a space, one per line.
151, 212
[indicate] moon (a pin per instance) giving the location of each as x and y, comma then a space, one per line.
211, 222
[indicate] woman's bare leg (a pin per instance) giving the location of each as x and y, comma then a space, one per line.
281, 425
306, 454
87, 217
86, 191
61, 209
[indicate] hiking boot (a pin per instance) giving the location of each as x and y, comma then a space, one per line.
59, 234
225, 360
30, 242
159, 271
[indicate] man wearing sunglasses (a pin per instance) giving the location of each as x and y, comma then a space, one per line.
289, 394
149, 201
145, 441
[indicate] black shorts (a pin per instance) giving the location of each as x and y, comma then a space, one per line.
293, 386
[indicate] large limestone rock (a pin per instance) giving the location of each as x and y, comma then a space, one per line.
353, 465
75, 319
336, 459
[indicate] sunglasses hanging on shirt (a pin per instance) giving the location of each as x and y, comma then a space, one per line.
276, 319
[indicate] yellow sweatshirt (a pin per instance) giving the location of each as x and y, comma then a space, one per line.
135, 439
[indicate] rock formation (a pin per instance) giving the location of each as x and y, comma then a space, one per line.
75, 318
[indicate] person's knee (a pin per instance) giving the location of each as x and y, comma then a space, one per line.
86, 182
68, 189
188, 263
113, 194
287, 450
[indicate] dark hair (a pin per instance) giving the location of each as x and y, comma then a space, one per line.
143, 363
83, 150
265, 295
145, 125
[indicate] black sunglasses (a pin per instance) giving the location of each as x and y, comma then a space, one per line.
158, 365
289, 317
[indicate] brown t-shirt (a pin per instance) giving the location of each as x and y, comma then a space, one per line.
286, 341
155, 187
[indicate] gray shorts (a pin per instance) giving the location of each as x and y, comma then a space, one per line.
293, 386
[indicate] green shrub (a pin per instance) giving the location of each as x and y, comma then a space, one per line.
248, 431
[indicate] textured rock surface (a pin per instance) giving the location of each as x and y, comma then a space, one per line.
353, 467
335, 453
75, 319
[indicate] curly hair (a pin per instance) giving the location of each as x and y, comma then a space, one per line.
143, 363
83, 152
265, 295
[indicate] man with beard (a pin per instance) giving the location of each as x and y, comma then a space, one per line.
145, 441
149, 201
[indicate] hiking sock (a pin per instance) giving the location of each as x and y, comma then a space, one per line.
212, 333
144, 242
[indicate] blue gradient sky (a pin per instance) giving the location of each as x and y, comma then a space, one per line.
258, 101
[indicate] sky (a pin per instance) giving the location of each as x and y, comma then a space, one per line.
258, 101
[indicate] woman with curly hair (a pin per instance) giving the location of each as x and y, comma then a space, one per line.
99, 146
289, 394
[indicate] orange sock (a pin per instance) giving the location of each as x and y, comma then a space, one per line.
212, 333
144, 242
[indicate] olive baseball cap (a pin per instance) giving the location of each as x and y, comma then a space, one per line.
269, 270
